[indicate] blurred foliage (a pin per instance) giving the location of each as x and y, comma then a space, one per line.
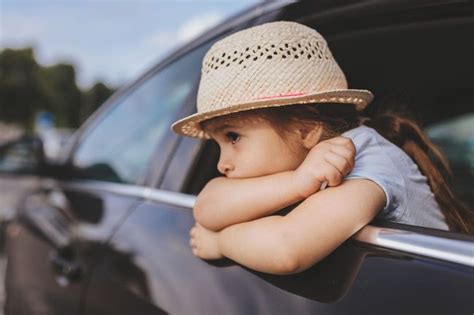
27, 88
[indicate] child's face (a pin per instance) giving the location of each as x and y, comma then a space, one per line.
250, 147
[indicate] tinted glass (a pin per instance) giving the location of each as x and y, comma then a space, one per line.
456, 139
120, 146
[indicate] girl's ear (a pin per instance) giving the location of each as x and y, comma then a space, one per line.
311, 135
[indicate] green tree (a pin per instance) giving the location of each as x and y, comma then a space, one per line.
21, 93
27, 88
63, 95
93, 98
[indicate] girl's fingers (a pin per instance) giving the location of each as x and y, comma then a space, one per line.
342, 141
338, 162
339, 147
332, 175
323, 185
345, 153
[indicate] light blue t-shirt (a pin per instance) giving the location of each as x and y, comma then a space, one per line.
409, 197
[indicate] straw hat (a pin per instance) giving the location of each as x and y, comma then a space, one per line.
272, 64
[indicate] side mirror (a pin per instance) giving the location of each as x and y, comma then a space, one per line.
22, 156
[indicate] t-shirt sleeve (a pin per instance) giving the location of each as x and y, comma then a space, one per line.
373, 162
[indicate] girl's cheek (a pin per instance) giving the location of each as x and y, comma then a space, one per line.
237, 149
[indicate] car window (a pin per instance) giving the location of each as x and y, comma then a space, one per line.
455, 137
119, 147
400, 64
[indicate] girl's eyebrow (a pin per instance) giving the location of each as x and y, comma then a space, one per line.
225, 126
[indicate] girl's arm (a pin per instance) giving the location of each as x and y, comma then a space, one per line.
225, 201
292, 243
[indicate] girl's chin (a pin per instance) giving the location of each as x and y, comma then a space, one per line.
242, 176
250, 175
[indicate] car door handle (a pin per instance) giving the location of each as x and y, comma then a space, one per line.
65, 267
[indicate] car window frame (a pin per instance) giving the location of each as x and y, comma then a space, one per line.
100, 114
157, 176
154, 175
168, 141
198, 146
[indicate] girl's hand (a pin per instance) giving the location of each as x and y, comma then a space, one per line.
329, 160
204, 242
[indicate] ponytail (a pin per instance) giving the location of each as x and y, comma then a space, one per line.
407, 135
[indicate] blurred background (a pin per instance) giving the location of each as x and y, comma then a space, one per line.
60, 60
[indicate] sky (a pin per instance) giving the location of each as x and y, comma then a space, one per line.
113, 41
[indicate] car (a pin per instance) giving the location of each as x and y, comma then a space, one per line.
105, 230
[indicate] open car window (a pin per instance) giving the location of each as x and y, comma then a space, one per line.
402, 60
406, 66
455, 137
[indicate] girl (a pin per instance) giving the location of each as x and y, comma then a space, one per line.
277, 103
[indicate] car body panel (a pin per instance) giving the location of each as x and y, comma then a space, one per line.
58, 227
149, 262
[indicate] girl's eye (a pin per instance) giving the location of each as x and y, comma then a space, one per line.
232, 136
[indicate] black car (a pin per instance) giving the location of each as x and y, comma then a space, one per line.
106, 230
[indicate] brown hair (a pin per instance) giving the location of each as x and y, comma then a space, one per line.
400, 130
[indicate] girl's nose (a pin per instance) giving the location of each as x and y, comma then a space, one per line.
225, 165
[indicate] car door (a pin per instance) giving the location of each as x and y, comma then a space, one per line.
62, 225
386, 268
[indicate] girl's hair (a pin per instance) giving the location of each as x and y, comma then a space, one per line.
402, 131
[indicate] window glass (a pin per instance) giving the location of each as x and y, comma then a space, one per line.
456, 139
120, 146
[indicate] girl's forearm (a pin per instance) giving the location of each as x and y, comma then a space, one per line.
259, 245
314, 229
224, 201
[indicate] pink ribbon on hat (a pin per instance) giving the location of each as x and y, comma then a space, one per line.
280, 95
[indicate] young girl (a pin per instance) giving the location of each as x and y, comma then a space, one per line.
277, 103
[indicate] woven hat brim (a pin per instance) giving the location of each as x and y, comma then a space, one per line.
189, 126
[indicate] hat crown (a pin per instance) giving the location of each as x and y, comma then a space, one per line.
273, 64
276, 59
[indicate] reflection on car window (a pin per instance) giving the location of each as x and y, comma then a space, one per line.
120, 146
456, 138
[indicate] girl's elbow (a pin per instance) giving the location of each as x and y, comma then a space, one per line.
291, 260
287, 266
286, 262
199, 212
197, 208
201, 205
291, 265
204, 217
